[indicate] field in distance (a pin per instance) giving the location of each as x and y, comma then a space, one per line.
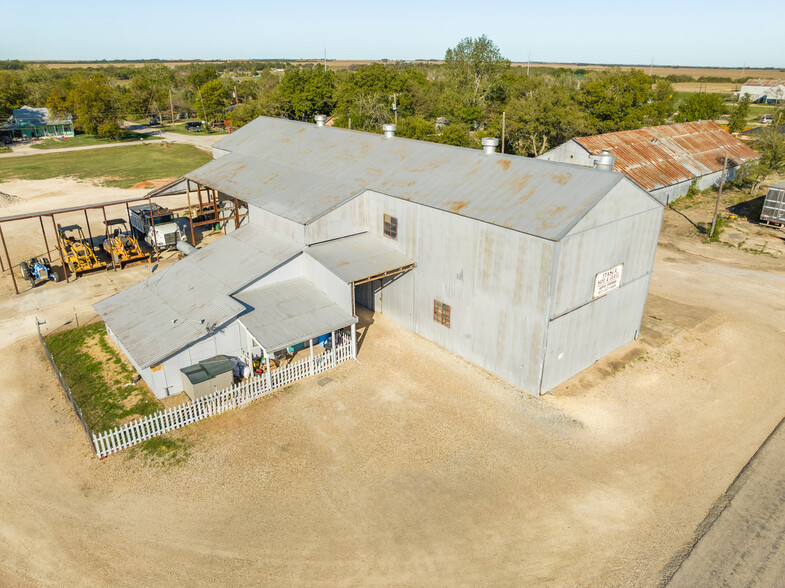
694, 72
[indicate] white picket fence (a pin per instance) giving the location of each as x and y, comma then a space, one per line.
219, 401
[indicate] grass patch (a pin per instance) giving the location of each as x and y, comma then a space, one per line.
5, 149
99, 385
87, 140
162, 451
121, 167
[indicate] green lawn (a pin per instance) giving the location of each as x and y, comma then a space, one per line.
119, 167
85, 140
4, 149
97, 376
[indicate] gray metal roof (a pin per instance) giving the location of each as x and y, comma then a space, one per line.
357, 257
29, 116
174, 307
300, 171
290, 312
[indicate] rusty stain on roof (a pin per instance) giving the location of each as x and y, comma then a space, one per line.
504, 163
561, 178
661, 156
457, 205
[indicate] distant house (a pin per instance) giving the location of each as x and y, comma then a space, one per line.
35, 123
768, 91
664, 160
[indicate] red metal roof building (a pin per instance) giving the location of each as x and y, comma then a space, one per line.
665, 159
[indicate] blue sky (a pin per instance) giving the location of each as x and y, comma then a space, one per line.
668, 32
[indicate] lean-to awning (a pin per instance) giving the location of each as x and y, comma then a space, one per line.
360, 258
290, 312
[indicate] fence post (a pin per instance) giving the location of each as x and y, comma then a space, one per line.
354, 341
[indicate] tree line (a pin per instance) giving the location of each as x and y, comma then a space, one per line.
470, 95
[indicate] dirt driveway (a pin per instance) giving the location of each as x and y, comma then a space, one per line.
413, 467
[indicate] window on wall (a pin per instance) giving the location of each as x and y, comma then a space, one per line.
390, 226
441, 313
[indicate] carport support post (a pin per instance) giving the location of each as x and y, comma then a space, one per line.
335, 349
60, 249
106, 225
354, 340
10, 265
311, 358
152, 224
236, 215
89, 232
43, 232
190, 211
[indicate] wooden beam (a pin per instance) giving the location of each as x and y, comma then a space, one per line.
386, 274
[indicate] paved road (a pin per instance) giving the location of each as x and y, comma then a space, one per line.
23, 150
745, 545
202, 141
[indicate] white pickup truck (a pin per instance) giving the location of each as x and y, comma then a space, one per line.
165, 232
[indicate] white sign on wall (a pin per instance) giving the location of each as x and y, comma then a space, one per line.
607, 281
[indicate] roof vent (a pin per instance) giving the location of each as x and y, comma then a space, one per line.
604, 160
489, 145
320, 118
389, 131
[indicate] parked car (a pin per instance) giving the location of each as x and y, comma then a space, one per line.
153, 121
193, 126
766, 118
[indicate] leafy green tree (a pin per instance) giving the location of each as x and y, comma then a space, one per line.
93, 103
661, 104
12, 93
545, 118
738, 118
214, 97
473, 72
617, 100
700, 107
416, 127
304, 93
198, 75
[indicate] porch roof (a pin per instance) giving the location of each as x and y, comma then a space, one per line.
290, 312
359, 257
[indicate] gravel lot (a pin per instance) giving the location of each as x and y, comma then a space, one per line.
412, 467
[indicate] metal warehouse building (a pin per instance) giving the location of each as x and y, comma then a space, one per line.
530, 269
664, 160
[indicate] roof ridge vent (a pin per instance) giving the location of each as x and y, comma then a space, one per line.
389, 131
489, 145
320, 119
604, 160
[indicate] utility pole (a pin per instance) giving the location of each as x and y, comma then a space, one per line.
171, 108
504, 125
719, 195
651, 66
395, 106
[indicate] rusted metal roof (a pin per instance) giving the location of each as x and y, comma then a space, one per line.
358, 257
290, 312
175, 306
656, 157
300, 171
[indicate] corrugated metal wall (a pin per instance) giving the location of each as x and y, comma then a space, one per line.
348, 219
569, 152
335, 288
277, 224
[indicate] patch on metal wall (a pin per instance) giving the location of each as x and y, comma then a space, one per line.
607, 281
